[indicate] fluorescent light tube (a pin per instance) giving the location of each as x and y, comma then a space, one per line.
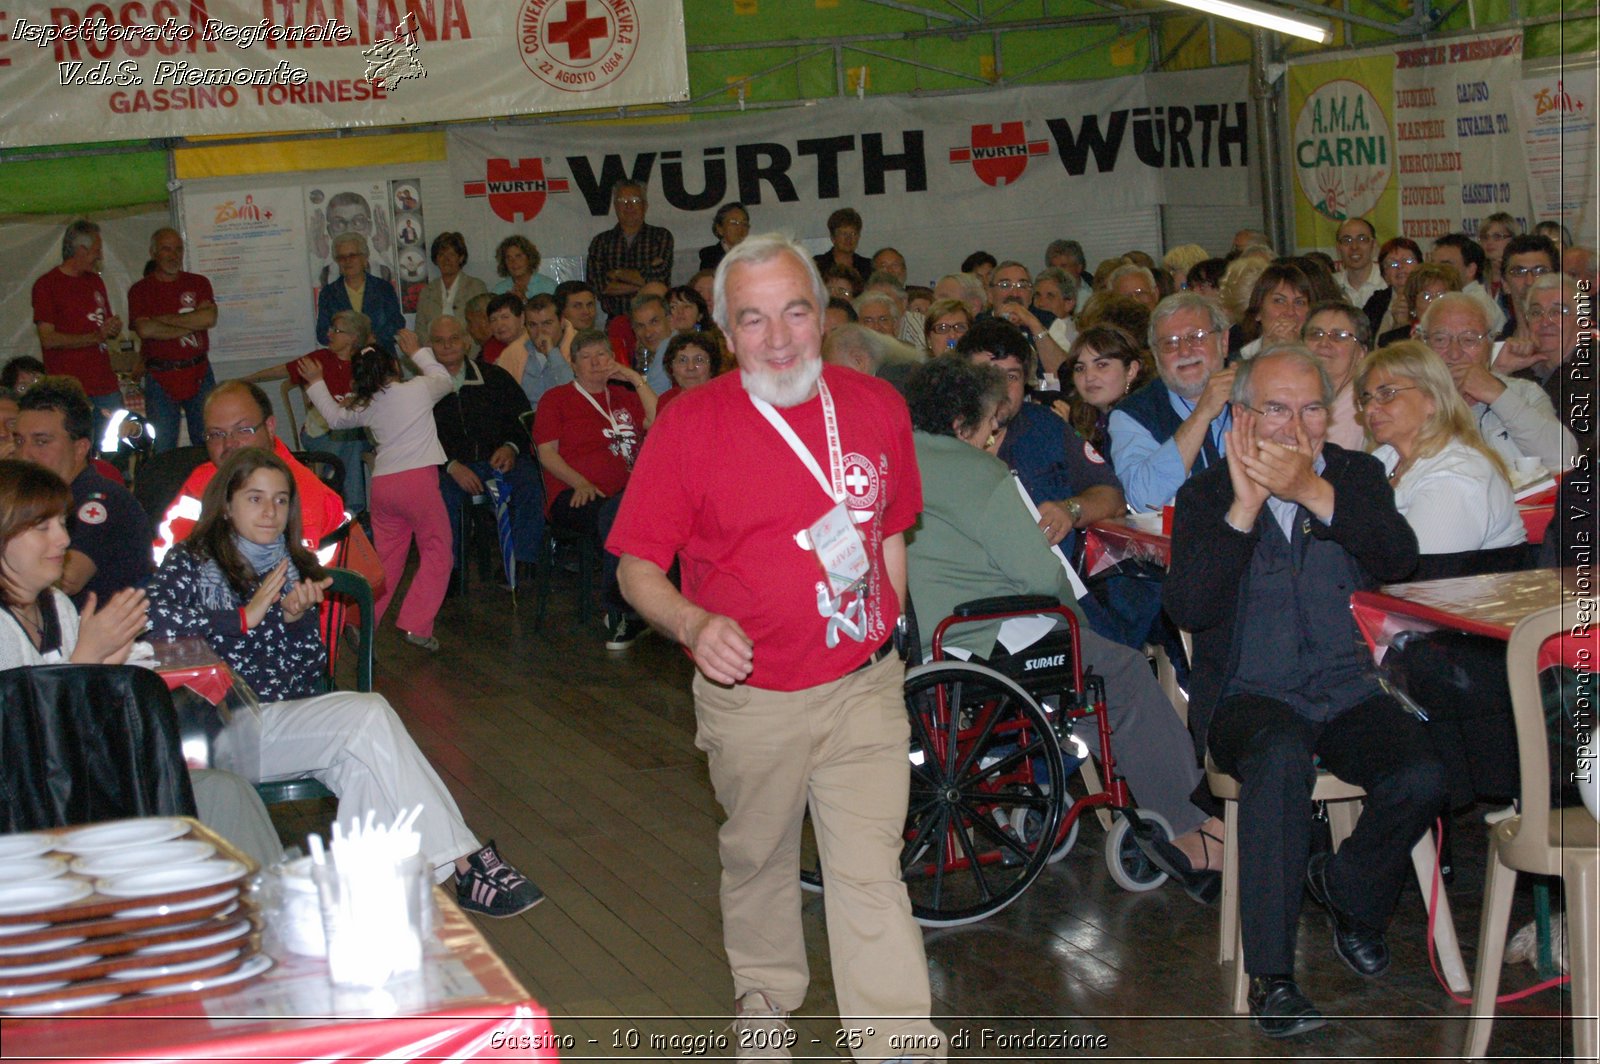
1264, 17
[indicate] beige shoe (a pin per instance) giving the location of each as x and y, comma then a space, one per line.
761, 1029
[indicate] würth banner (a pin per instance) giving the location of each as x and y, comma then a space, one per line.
925, 172
77, 70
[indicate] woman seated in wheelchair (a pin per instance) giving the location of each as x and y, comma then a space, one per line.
243, 582
977, 540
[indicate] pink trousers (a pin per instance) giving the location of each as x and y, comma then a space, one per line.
405, 505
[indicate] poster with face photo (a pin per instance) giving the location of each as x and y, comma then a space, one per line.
362, 209
411, 240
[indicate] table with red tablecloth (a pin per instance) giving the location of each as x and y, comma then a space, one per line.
464, 1005
1119, 539
1489, 605
191, 663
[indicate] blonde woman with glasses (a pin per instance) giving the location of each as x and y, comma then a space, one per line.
1451, 486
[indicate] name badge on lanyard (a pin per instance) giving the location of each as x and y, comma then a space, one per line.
834, 538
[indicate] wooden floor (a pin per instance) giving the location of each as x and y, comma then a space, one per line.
582, 765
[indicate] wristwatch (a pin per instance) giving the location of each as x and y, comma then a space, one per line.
1075, 508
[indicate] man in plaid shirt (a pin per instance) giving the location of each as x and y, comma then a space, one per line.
631, 253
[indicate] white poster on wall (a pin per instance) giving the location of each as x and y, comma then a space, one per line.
251, 244
339, 208
1557, 115
80, 70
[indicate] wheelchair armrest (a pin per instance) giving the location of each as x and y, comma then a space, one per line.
1007, 604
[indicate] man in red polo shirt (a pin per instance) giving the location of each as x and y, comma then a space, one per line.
238, 415
171, 310
73, 315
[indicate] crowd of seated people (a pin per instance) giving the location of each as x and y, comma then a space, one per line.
1383, 390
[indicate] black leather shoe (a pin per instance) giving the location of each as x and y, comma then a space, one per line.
1203, 885
1358, 945
1280, 1010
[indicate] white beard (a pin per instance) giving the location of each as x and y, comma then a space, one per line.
786, 388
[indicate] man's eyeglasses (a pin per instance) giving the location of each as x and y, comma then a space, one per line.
1523, 271
1342, 336
1395, 264
243, 433
1274, 411
1441, 341
1006, 286
1382, 395
1355, 238
1554, 313
1194, 338
631, 201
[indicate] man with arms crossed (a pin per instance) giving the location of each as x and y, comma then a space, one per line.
798, 691
172, 311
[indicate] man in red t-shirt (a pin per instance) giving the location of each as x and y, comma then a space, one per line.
73, 315
749, 482
587, 434
171, 311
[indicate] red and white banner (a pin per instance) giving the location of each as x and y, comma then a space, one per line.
82, 70
1003, 169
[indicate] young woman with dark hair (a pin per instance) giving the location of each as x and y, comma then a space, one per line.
244, 584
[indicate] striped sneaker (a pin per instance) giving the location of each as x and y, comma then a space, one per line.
494, 888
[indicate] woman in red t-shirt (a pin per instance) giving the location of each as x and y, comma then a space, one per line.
350, 332
588, 434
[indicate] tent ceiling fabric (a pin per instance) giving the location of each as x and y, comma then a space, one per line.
774, 53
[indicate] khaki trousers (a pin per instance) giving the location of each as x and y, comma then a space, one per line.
842, 748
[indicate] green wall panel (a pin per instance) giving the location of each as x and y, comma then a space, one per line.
66, 186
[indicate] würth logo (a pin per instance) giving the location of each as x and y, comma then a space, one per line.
516, 192
999, 154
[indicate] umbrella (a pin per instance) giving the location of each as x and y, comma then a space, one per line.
500, 495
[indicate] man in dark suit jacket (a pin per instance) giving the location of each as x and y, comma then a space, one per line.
481, 429
730, 225
1267, 548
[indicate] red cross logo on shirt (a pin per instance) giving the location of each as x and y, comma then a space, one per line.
856, 481
578, 29
92, 513
860, 482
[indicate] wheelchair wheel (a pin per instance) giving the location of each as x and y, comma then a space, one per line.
984, 759
1028, 824
1127, 863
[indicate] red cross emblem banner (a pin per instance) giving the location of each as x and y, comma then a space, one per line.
76, 71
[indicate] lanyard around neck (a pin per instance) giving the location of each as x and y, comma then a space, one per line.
834, 489
603, 411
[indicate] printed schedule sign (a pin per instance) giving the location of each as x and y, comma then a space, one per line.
1462, 158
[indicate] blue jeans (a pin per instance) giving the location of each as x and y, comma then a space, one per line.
348, 446
163, 411
527, 506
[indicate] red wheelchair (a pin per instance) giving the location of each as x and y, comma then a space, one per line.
993, 745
